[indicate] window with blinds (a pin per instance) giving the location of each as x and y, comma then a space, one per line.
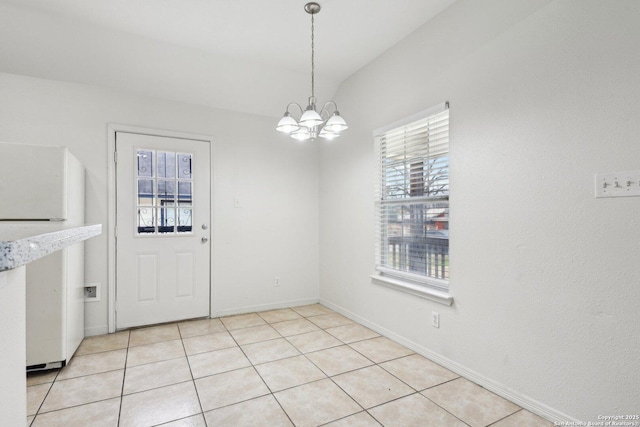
412, 199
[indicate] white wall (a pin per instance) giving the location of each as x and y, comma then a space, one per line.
275, 233
56, 47
545, 278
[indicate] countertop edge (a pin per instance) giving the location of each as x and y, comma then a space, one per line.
16, 253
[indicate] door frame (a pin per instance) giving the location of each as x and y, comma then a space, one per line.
112, 128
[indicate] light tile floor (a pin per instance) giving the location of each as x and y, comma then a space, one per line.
304, 366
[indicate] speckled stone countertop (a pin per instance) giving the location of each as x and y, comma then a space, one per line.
21, 245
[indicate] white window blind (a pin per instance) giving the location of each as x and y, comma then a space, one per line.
412, 199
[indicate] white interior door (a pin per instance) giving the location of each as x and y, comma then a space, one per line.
162, 241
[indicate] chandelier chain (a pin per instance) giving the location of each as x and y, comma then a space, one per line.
313, 64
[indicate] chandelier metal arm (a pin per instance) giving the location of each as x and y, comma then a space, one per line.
326, 111
297, 105
324, 114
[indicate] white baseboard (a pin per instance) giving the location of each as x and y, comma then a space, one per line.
263, 307
96, 330
502, 390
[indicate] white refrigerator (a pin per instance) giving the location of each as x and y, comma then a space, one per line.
42, 190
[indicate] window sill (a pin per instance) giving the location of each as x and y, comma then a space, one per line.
410, 288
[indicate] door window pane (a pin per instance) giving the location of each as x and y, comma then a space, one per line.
146, 220
184, 220
145, 192
184, 193
184, 166
166, 220
166, 192
166, 165
145, 163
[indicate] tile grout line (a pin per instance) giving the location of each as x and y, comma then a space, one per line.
381, 367
193, 380
124, 376
271, 393
443, 408
437, 385
55, 379
510, 415
43, 399
300, 354
366, 410
331, 379
90, 374
249, 360
76, 406
310, 382
62, 380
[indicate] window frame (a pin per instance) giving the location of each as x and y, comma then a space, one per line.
420, 285
158, 205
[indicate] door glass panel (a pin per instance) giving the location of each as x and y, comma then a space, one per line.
184, 166
166, 165
166, 220
145, 192
145, 163
146, 221
184, 220
164, 180
184, 193
166, 192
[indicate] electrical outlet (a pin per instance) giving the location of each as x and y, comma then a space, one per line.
276, 281
92, 292
435, 319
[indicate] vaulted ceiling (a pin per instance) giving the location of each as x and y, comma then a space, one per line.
245, 55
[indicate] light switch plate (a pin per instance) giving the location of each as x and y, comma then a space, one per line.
618, 184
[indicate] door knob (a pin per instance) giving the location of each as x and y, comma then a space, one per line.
204, 226
204, 240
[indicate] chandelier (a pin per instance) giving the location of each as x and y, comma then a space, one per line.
312, 123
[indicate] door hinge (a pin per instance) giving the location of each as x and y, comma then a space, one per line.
115, 231
115, 157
